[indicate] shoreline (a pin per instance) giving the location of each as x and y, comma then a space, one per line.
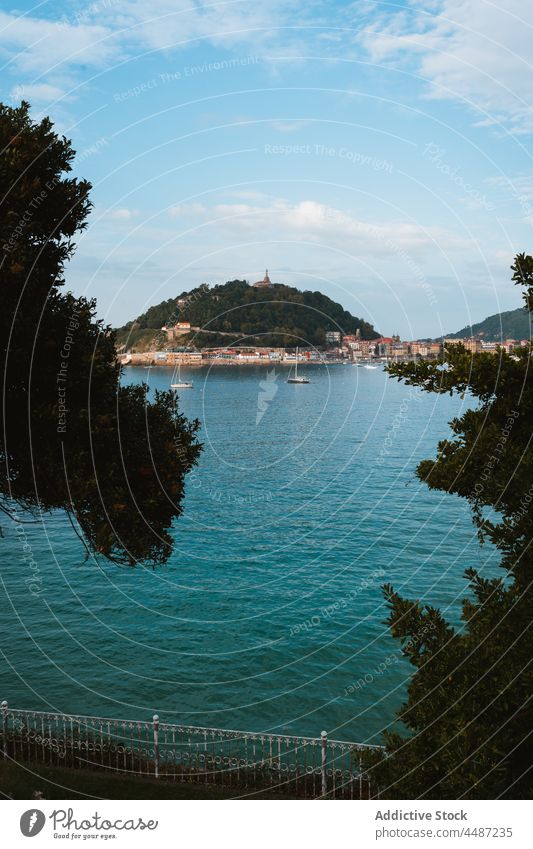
209, 363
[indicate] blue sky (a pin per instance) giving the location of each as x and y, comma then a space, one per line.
379, 152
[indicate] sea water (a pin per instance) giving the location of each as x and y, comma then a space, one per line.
269, 614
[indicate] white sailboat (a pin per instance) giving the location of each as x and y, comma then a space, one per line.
297, 379
180, 384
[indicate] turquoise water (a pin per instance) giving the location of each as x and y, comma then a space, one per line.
269, 610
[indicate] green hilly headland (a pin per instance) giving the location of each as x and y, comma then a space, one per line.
235, 312
512, 324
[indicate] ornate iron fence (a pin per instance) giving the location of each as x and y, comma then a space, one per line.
308, 767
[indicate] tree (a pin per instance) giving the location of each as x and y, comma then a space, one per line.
469, 709
73, 438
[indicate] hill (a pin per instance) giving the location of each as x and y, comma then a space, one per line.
513, 324
277, 315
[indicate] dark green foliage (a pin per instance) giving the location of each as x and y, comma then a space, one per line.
73, 438
155, 317
469, 709
279, 316
23, 780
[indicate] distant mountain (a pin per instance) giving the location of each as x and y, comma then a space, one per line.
276, 315
513, 324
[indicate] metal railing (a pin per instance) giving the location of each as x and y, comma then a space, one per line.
306, 767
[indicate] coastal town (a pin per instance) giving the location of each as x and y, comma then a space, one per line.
181, 342
339, 348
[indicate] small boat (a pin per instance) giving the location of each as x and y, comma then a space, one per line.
297, 379
181, 384
369, 366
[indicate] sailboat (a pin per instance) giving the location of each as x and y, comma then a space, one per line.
297, 379
180, 384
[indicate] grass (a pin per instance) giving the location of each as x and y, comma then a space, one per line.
23, 780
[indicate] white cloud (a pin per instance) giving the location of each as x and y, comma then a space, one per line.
312, 221
121, 214
40, 46
107, 31
39, 94
475, 51
163, 24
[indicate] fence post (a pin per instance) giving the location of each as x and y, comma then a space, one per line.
4, 729
156, 745
324, 738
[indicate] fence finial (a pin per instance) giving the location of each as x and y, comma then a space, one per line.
324, 736
4, 729
156, 745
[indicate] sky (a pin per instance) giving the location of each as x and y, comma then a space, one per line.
377, 152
